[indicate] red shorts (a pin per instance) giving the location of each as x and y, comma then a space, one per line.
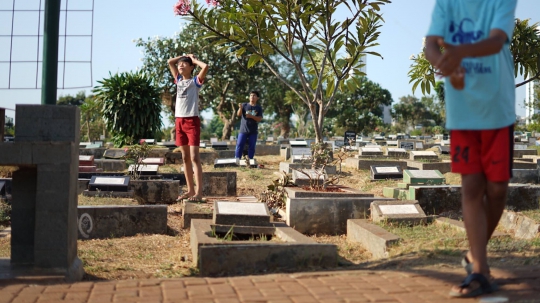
188, 131
483, 151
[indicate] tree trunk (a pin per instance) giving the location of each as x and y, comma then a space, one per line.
285, 128
316, 118
88, 129
227, 130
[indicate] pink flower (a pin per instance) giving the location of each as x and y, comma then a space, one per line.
182, 7
126, 149
212, 2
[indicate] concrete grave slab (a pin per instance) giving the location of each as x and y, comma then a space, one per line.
443, 167
298, 144
109, 183
392, 143
301, 179
145, 169
241, 214
429, 177
154, 161
373, 238
399, 153
300, 154
519, 153
423, 155
85, 160
220, 145
289, 167
102, 222
114, 153
378, 172
293, 251
232, 162
419, 145
252, 163
367, 163
192, 210
370, 151
522, 226
408, 212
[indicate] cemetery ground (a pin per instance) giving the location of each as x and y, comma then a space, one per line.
427, 246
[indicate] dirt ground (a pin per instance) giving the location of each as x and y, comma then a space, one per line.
169, 255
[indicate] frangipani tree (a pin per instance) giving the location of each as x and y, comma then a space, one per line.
525, 48
331, 51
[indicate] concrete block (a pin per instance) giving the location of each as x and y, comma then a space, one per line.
219, 183
158, 152
225, 258
98, 222
326, 215
442, 167
373, 238
192, 211
367, 163
344, 192
241, 214
285, 153
96, 152
16, 153
156, 191
525, 176
47, 123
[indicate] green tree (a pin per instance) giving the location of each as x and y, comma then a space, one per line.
360, 110
525, 48
131, 106
331, 51
409, 112
76, 100
228, 82
91, 119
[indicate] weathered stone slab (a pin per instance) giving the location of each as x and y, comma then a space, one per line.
155, 191
423, 155
326, 215
108, 194
525, 176
344, 192
399, 153
232, 162
219, 184
385, 172
429, 177
240, 213
373, 238
298, 144
102, 222
367, 163
114, 153
192, 211
219, 145
407, 212
308, 176
228, 258
522, 226
370, 151
300, 154
109, 183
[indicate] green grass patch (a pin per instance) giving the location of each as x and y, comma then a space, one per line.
533, 214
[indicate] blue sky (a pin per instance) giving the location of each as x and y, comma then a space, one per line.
117, 23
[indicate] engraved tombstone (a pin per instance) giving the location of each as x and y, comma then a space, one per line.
241, 214
232, 162
379, 172
109, 183
397, 211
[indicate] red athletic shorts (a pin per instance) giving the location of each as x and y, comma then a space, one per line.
188, 131
483, 151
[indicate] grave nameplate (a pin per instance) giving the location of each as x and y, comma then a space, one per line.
145, 169
156, 161
232, 162
109, 183
385, 172
219, 145
301, 143
406, 209
419, 145
423, 177
397, 211
300, 153
349, 138
116, 153
241, 214
149, 141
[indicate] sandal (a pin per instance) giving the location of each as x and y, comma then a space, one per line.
485, 287
196, 199
182, 197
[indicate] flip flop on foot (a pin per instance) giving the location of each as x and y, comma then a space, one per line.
183, 197
197, 199
483, 286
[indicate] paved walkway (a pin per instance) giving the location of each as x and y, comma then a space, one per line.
518, 285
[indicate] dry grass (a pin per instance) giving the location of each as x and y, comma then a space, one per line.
533, 214
7, 171
83, 200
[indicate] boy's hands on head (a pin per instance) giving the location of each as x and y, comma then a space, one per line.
450, 60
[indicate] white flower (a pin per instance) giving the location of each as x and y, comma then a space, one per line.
411, 57
176, 45
165, 42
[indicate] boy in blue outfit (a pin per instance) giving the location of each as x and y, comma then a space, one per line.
475, 37
251, 114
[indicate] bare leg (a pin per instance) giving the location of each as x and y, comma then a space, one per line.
188, 169
197, 169
473, 189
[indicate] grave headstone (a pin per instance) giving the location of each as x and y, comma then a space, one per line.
232, 162
392, 143
155, 161
397, 211
423, 155
349, 138
145, 169
419, 145
270, 139
241, 214
306, 176
379, 138
93, 146
202, 144
371, 151
213, 140
148, 141
423, 177
86, 160
298, 143
109, 183
396, 152
379, 172
445, 150
98, 142
219, 145
300, 153
408, 145
114, 153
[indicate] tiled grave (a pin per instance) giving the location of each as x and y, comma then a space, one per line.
429, 177
241, 214
86, 160
408, 212
306, 176
232, 162
385, 172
